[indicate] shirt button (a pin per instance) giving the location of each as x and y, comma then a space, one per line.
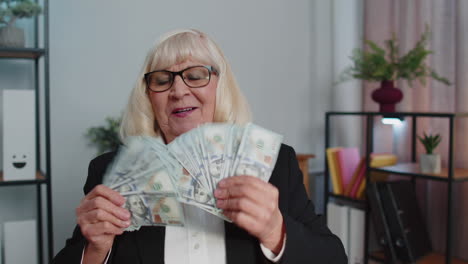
196, 246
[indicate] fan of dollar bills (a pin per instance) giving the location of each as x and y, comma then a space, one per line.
156, 178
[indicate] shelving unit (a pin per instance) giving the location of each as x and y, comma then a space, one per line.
39, 57
448, 175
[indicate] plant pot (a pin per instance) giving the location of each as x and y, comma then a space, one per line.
11, 37
430, 163
387, 96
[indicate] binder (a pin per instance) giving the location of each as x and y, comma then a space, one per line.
356, 230
20, 242
409, 233
379, 219
337, 221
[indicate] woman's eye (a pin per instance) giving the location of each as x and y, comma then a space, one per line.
194, 77
161, 81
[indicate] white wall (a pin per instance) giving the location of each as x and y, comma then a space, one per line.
97, 48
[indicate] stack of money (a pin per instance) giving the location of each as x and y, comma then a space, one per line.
155, 178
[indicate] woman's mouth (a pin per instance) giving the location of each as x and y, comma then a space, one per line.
183, 112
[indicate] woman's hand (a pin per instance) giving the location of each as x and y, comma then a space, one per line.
253, 205
101, 217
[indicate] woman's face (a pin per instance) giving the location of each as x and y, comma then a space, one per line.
182, 108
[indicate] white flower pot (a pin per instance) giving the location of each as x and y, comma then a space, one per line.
11, 37
430, 163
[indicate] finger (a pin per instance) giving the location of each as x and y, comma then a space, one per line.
100, 228
242, 191
245, 221
245, 180
99, 215
241, 180
239, 204
257, 190
104, 204
106, 192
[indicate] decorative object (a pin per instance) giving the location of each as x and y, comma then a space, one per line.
105, 138
430, 162
383, 64
19, 138
10, 11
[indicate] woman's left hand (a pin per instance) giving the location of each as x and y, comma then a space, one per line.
252, 204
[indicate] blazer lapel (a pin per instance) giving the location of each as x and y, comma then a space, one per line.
150, 244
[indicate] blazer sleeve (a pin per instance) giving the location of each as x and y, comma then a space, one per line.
308, 238
74, 246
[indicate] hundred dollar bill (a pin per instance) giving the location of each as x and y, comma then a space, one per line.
233, 142
157, 180
148, 162
257, 152
148, 210
126, 161
192, 144
182, 155
214, 145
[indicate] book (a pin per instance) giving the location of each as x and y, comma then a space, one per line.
357, 179
334, 171
407, 228
337, 222
379, 219
377, 160
348, 161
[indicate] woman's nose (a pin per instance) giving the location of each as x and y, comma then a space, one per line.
179, 88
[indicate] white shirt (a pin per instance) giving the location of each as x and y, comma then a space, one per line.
200, 241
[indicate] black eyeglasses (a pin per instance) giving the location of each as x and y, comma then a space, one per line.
193, 77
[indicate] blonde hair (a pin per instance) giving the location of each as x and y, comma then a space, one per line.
173, 48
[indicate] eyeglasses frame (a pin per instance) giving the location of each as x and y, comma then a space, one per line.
210, 69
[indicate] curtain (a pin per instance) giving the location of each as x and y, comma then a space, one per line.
447, 21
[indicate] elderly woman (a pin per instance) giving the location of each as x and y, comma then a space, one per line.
186, 81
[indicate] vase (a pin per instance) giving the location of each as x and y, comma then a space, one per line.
430, 163
11, 37
387, 96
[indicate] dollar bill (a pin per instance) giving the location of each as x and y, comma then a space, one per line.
150, 210
257, 152
213, 143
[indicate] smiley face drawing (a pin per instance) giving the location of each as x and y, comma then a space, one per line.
19, 161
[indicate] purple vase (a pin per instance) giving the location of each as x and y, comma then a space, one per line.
387, 96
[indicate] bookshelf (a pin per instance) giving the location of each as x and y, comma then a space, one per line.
38, 56
449, 175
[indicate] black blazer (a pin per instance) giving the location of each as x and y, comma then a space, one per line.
308, 240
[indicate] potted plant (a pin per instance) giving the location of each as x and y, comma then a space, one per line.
10, 11
430, 162
384, 65
106, 137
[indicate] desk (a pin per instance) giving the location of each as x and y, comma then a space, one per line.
303, 160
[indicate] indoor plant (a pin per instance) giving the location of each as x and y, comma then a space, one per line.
10, 11
384, 65
430, 162
106, 137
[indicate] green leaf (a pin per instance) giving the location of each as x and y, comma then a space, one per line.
106, 137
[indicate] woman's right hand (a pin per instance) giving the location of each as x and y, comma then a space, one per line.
101, 217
